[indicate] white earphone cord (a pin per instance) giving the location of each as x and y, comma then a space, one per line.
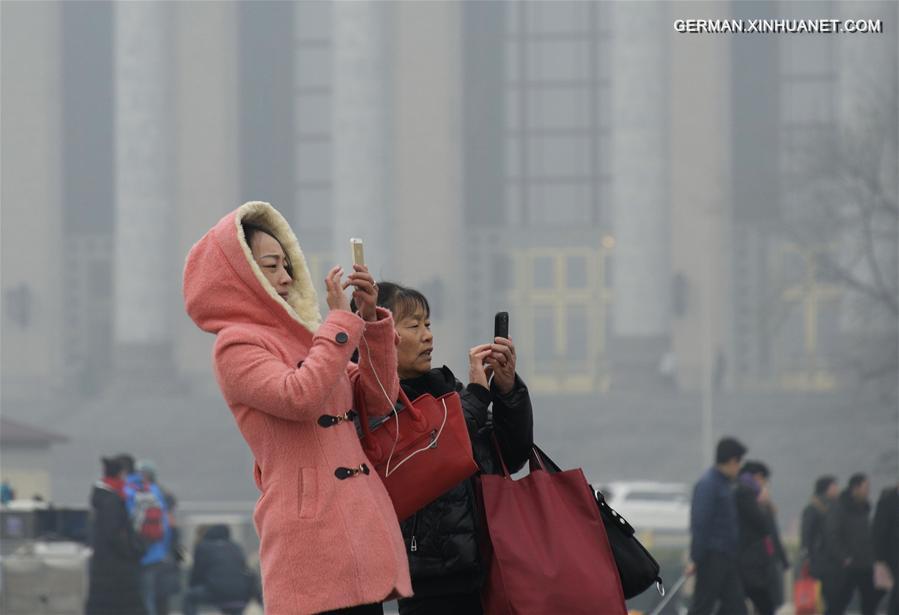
388, 471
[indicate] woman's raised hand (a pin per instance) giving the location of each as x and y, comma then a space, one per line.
502, 361
478, 373
366, 293
337, 299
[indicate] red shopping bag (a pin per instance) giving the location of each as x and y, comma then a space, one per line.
806, 593
549, 550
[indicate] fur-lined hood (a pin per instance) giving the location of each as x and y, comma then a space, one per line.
223, 285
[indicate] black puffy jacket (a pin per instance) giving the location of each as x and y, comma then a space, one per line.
114, 587
813, 518
848, 532
885, 528
442, 538
756, 544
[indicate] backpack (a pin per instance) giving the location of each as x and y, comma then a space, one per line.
147, 514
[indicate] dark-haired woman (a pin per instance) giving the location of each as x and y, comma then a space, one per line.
114, 569
442, 539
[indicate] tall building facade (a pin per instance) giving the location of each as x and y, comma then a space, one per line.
606, 180
538, 168
799, 108
34, 271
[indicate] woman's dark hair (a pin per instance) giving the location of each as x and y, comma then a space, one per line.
856, 480
250, 230
126, 461
400, 300
755, 467
823, 484
112, 466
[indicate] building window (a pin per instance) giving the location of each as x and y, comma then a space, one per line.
556, 101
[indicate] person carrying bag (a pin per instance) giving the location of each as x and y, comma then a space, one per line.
549, 549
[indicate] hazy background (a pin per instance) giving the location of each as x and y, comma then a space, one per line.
695, 235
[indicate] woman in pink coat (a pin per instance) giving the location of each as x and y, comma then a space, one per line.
329, 537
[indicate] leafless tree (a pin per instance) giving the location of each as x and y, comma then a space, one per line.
843, 207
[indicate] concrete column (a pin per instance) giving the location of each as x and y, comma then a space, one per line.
361, 161
206, 140
33, 263
700, 198
145, 231
639, 169
427, 200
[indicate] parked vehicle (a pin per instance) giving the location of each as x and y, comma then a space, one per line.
656, 506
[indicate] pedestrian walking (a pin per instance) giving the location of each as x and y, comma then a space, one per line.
851, 548
885, 533
147, 510
762, 556
812, 536
714, 529
116, 550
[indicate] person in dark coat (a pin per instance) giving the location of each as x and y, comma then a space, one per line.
114, 569
848, 542
443, 537
762, 556
220, 574
812, 545
885, 531
714, 529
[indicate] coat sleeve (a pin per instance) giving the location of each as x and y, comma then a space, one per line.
251, 374
778, 543
475, 402
375, 377
751, 514
701, 510
880, 530
833, 534
117, 531
808, 531
513, 421
201, 565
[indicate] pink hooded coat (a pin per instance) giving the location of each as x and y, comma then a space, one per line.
326, 542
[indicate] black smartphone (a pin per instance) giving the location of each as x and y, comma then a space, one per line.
501, 325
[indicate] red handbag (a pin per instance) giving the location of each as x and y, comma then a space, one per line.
420, 451
549, 552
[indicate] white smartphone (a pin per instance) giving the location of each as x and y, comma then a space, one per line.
358, 253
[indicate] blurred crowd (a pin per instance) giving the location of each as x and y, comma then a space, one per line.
137, 559
737, 554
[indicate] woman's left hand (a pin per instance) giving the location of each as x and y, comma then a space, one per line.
366, 293
502, 362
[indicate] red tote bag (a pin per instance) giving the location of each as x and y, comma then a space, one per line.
550, 553
806, 593
421, 451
